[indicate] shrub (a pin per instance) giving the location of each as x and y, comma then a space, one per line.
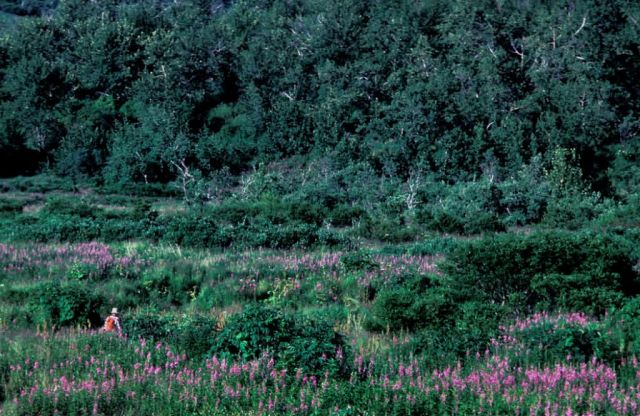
358, 260
164, 288
192, 334
574, 211
574, 292
558, 340
392, 230
404, 309
191, 230
474, 325
330, 237
68, 207
64, 304
294, 340
467, 208
37, 183
511, 268
10, 206
626, 320
294, 234
344, 215
412, 302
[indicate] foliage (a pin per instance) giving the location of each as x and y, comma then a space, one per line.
352, 101
63, 304
560, 267
192, 334
295, 341
413, 302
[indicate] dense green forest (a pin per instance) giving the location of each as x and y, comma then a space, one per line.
332, 92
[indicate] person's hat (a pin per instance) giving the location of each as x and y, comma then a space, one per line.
114, 311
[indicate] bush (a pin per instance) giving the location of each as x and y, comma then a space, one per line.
65, 206
295, 341
65, 304
10, 206
166, 288
474, 325
626, 320
344, 215
512, 268
270, 210
62, 229
574, 211
330, 237
191, 230
392, 230
412, 302
192, 334
555, 342
574, 292
358, 260
291, 235
38, 183
466, 208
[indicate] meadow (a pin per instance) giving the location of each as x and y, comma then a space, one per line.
538, 323
314, 207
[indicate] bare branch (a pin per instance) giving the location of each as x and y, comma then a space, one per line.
519, 52
287, 95
515, 50
584, 21
185, 176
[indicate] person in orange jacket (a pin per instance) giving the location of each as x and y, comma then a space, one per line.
112, 323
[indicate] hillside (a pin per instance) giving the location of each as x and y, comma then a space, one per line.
148, 91
313, 207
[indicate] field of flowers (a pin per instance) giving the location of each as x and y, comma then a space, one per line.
272, 332
84, 372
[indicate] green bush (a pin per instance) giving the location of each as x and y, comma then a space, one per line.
295, 341
270, 210
294, 234
167, 288
10, 206
549, 343
451, 223
626, 322
62, 228
140, 189
412, 302
574, 292
69, 206
123, 229
392, 230
64, 304
474, 325
511, 268
38, 183
191, 230
344, 215
467, 208
358, 260
574, 211
192, 334
330, 237
221, 295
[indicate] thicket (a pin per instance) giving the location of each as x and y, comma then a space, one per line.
585, 271
354, 100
